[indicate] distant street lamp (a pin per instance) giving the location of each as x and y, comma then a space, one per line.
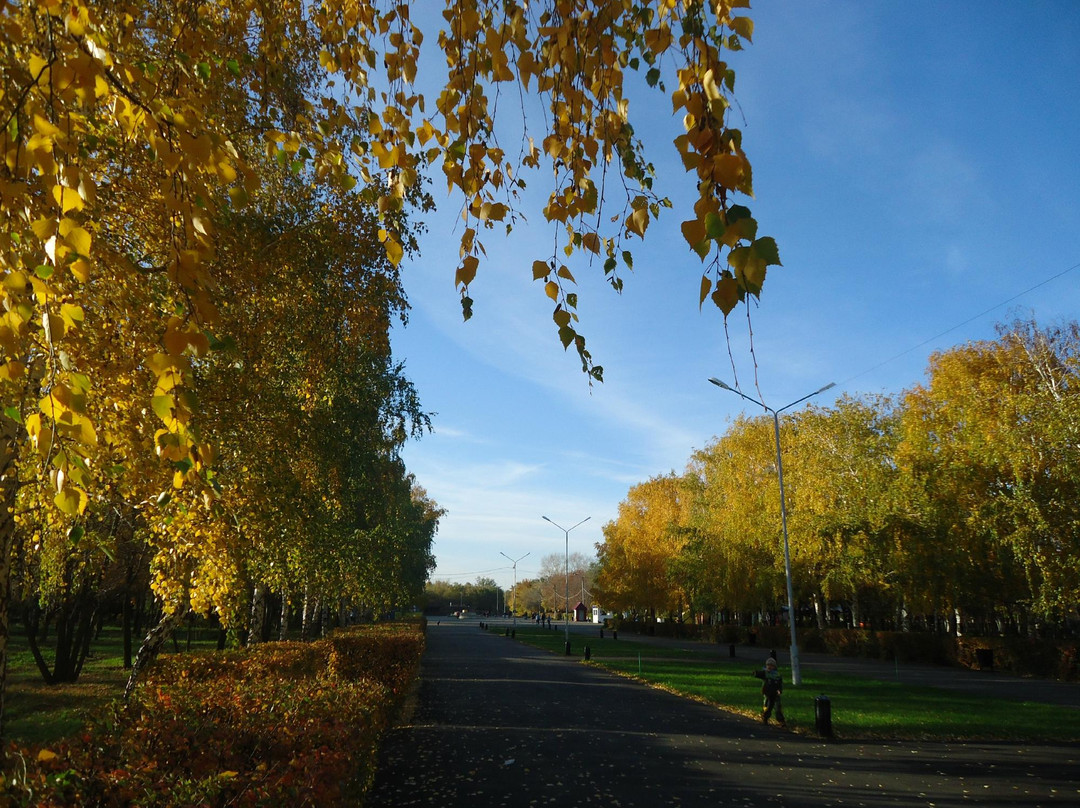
514, 561
566, 532
796, 674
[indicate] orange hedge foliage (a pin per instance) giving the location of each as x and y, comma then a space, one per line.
279, 724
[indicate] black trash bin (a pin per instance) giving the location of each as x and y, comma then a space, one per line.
823, 716
985, 658
731, 650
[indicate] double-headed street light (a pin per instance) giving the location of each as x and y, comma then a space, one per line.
566, 532
796, 674
513, 561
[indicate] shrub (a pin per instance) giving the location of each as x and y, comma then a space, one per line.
278, 724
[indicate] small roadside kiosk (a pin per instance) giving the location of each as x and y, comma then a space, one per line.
580, 613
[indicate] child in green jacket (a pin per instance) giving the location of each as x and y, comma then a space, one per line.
772, 687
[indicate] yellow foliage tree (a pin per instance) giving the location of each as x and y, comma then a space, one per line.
739, 552
989, 449
639, 547
130, 129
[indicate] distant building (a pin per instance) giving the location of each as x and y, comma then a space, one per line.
579, 613
599, 615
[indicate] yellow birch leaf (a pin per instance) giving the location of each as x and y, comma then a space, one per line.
226, 171
199, 343
80, 269
78, 239
44, 228
744, 27
729, 170
12, 370
551, 289
638, 221
175, 340
51, 406
693, 231
659, 39
161, 363
163, 407
706, 287
72, 314
71, 501
540, 269
45, 127
467, 271
37, 65
87, 434
726, 295
67, 198
394, 251
45, 755
16, 281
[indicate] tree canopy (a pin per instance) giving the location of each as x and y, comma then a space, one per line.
955, 501
204, 207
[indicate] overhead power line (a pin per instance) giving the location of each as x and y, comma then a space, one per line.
962, 324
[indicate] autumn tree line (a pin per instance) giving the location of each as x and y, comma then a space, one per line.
952, 506
558, 578
203, 212
201, 410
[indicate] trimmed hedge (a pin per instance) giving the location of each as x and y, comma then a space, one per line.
277, 724
1019, 656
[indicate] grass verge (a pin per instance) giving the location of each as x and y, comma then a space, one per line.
35, 712
861, 707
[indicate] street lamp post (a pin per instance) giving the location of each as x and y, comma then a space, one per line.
514, 561
796, 673
566, 611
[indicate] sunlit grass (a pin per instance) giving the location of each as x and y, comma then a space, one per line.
861, 707
35, 712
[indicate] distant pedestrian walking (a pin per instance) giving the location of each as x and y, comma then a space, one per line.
772, 688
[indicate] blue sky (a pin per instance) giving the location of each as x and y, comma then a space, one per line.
917, 164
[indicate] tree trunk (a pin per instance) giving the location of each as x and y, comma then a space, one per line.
258, 615
311, 606
819, 611
151, 645
9, 486
126, 628
30, 621
951, 622
283, 630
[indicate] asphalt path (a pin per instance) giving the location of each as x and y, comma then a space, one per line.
498, 723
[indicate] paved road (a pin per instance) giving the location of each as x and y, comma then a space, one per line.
497, 723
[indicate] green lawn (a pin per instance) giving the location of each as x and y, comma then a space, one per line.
861, 708
35, 712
